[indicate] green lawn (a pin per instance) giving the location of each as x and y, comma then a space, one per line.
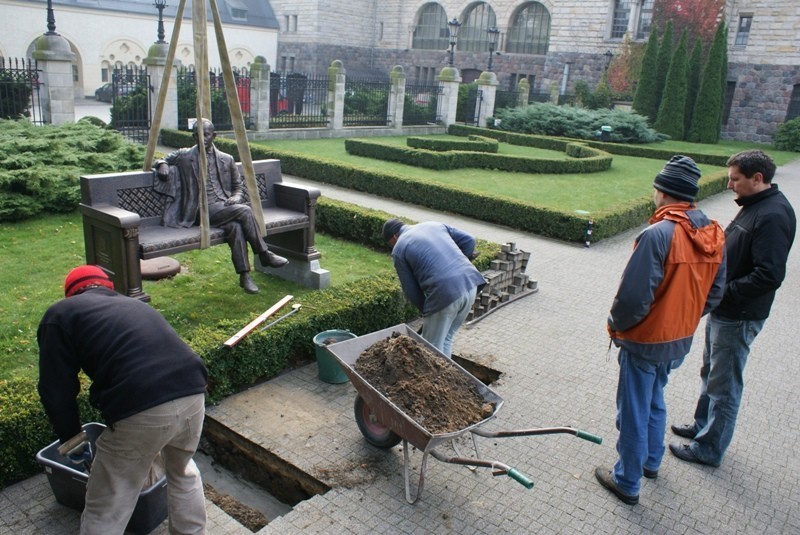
36, 255
628, 178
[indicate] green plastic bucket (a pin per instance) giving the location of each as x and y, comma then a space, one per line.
329, 369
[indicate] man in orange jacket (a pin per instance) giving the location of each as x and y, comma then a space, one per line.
675, 275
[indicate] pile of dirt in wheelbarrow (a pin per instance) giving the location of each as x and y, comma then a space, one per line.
428, 388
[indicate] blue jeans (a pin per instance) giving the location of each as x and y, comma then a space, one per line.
721, 384
440, 327
641, 417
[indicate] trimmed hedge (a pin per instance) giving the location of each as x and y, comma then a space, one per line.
473, 143
365, 306
589, 160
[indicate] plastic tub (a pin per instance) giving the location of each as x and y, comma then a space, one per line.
69, 486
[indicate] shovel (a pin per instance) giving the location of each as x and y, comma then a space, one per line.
295, 308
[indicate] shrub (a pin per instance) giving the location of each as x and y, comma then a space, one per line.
787, 136
40, 166
567, 121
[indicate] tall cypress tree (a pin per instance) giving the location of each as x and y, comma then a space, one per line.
692, 83
723, 71
673, 104
664, 59
644, 100
707, 117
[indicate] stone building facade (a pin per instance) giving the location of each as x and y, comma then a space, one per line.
104, 34
371, 37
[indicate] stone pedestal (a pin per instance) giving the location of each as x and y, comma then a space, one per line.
449, 79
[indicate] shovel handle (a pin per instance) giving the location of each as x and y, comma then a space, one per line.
588, 436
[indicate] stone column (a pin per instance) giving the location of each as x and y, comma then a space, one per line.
156, 62
397, 96
57, 94
449, 78
487, 85
336, 79
259, 94
523, 92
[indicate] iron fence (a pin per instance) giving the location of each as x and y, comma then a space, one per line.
19, 90
546, 97
366, 103
220, 112
297, 100
506, 99
422, 105
131, 103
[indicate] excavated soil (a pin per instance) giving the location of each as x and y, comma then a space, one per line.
428, 388
245, 515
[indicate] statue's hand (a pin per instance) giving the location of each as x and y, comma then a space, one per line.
233, 199
162, 171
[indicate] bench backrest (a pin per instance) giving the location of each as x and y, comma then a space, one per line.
133, 190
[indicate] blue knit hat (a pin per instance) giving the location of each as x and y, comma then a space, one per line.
679, 178
391, 227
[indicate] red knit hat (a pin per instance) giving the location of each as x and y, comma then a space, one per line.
83, 276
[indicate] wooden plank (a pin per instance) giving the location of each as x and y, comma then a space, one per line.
233, 340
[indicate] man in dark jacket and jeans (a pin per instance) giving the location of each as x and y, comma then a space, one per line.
674, 276
757, 241
149, 386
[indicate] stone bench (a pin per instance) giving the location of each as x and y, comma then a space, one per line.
122, 226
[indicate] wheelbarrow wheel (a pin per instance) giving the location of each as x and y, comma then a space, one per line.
376, 434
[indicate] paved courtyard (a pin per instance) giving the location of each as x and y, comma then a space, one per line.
552, 350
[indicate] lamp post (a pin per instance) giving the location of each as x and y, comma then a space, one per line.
453, 27
608, 55
160, 5
51, 19
494, 35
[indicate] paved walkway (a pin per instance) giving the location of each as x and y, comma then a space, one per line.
551, 348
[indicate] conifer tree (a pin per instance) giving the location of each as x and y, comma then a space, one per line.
707, 116
673, 103
724, 70
692, 83
644, 99
664, 59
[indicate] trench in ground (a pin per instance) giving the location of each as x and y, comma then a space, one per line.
259, 479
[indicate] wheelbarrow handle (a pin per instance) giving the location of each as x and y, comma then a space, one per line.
588, 436
521, 478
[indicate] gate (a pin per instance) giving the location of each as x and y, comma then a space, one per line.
422, 105
297, 100
472, 107
130, 105
366, 103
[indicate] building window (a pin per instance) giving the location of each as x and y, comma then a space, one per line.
290, 23
794, 104
743, 32
431, 32
516, 78
530, 30
645, 20
472, 36
104, 74
622, 14
238, 9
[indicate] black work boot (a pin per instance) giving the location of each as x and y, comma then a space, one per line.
270, 259
247, 283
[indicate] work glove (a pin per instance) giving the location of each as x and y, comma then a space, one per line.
82, 459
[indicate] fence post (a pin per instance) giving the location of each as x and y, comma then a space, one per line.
156, 62
449, 79
58, 94
487, 84
397, 96
523, 92
259, 93
336, 80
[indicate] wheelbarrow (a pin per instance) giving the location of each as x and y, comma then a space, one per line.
385, 425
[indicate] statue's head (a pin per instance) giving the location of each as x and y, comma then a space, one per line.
208, 133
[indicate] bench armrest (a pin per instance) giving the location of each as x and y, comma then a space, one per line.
295, 197
111, 215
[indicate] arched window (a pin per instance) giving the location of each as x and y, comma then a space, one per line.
530, 30
431, 30
472, 36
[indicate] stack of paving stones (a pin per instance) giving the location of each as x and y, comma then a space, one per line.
505, 281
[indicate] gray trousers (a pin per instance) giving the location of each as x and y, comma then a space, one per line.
240, 228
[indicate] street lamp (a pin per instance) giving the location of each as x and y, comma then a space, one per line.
494, 35
452, 27
608, 55
160, 5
